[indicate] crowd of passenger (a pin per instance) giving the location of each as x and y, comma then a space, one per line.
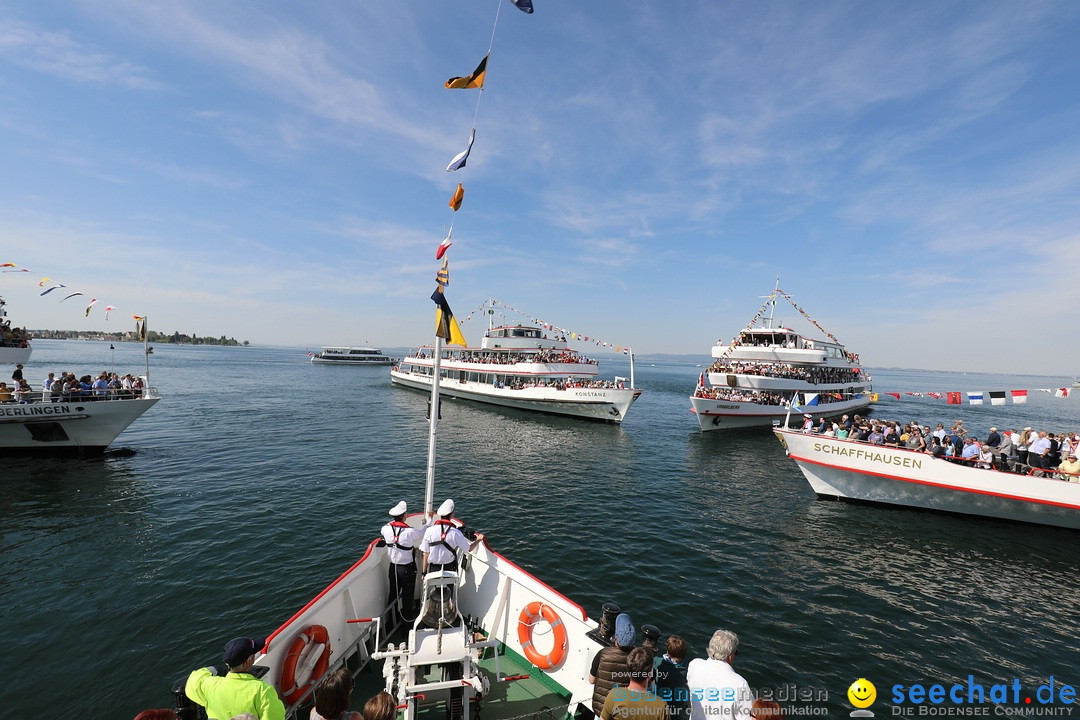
517, 383
813, 375
1035, 452
510, 358
67, 387
759, 397
13, 337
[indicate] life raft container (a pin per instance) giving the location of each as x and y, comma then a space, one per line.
307, 661
528, 618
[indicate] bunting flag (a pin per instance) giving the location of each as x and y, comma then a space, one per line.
92, 303
74, 294
446, 326
108, 308
935, 395
873, 397
462, 157
997, 397
459, 195
444, 245
8, 264
524, 6
1062, 392
487, 307
54, 287
476, 80
954, 398
895, 395
1019, 397
975, 398
43, 281
443, 276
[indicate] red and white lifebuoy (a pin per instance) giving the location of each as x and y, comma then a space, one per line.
529, 615
307, 661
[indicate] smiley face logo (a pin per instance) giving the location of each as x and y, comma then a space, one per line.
862, 693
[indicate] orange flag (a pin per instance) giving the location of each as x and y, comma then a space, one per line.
459, 195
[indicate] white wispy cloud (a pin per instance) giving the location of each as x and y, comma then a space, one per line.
64, 55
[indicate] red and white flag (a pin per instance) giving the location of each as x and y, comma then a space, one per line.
444, 246
1062, 392
1019, 397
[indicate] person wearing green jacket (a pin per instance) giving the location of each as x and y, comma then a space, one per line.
227, 695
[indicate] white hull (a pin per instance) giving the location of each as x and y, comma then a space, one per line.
849, 470
341, 361
727, 415
492, 592
67, 428
13, 355
607, 404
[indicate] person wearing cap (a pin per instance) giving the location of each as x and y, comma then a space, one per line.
443, 541
808, 423
401, 544
716, 690
609, 666
227, 695
993, 439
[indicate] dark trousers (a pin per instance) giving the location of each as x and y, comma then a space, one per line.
402, 590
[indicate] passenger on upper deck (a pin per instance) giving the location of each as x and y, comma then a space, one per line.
716, 690
635, 701
609, 665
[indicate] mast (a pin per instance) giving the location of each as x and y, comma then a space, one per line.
146, 355
433, 411
772, 303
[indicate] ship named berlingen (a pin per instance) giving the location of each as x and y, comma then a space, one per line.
517, 366
765, 371
55, 423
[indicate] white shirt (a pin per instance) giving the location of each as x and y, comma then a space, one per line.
407, 539
717, 692
440, 554
1038, 447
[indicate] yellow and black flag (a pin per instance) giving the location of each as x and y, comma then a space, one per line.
446, 326
476, 80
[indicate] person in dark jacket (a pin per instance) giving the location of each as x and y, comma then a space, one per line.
609, 666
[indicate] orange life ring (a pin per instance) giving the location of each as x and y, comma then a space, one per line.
529, 615
312, 639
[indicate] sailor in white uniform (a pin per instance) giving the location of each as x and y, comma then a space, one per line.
401, 544
444, 542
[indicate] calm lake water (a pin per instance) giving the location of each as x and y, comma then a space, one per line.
259, 478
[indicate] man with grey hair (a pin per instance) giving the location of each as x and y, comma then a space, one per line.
717, 692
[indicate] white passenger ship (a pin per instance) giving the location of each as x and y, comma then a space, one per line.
45, 425
517, 366
758, 376
859, 472
352, 356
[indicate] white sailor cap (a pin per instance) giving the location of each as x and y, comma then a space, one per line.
807, 415
400, 509
447, 508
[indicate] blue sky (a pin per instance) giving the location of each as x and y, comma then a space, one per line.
275, 171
